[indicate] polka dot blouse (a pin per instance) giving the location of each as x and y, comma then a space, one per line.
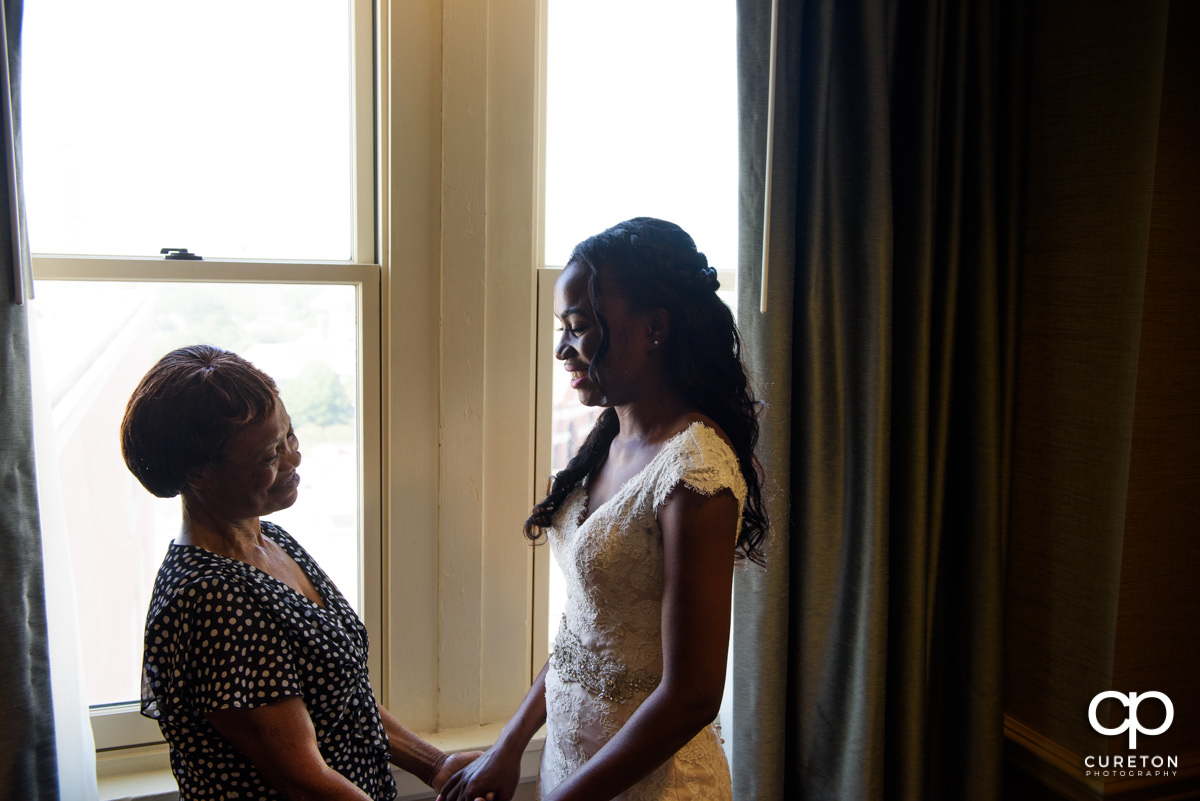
221, 633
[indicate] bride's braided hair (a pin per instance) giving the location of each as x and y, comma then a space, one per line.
655, 264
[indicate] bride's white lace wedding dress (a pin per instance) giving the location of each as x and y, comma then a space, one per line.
608, 654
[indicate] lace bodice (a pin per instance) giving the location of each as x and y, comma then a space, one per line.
611, 632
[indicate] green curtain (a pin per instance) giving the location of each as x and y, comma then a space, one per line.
868, 653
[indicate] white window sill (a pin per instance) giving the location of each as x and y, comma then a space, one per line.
144, 774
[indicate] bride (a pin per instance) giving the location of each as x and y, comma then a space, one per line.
646, 522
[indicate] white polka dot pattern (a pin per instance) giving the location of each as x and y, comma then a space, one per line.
221, 633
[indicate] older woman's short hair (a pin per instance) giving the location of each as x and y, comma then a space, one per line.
185, 409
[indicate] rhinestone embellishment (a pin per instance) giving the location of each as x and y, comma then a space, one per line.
603, 676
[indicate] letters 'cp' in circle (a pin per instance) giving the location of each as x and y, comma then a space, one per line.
1131, 722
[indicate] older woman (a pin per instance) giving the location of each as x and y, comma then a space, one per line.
254, 666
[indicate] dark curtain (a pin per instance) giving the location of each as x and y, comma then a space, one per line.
868, 653
28, 767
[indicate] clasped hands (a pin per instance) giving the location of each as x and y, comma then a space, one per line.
492, 777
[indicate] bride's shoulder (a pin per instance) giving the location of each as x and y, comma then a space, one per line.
701, 457
702, 429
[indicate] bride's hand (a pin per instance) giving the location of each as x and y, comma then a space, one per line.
453, 764
489, 778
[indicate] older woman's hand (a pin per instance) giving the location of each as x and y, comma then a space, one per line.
492, 777
453, 764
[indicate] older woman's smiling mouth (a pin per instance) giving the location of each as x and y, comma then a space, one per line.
288, 484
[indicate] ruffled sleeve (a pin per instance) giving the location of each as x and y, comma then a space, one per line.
701, 460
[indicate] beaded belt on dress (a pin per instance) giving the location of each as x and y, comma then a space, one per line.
602, 675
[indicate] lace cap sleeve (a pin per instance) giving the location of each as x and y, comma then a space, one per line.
701, 460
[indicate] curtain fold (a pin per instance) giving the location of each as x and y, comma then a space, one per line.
11, 15
28, 760
886, 360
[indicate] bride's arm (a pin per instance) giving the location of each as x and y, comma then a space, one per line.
698, 547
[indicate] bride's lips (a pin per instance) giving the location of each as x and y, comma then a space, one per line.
577, 378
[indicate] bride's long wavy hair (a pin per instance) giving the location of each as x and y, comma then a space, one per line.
654, 264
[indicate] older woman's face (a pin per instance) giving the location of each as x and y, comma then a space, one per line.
258, 473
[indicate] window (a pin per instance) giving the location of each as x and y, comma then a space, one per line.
244, 133
224, 127
304, 336
650, 133
641, 120
443, 294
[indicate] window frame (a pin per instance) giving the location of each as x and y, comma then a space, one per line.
117, 726
546, 278
457, 100
462, 204
452, 289
122, 725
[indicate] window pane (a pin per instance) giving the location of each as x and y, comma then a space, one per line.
641, 120
303, 336
222, 127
